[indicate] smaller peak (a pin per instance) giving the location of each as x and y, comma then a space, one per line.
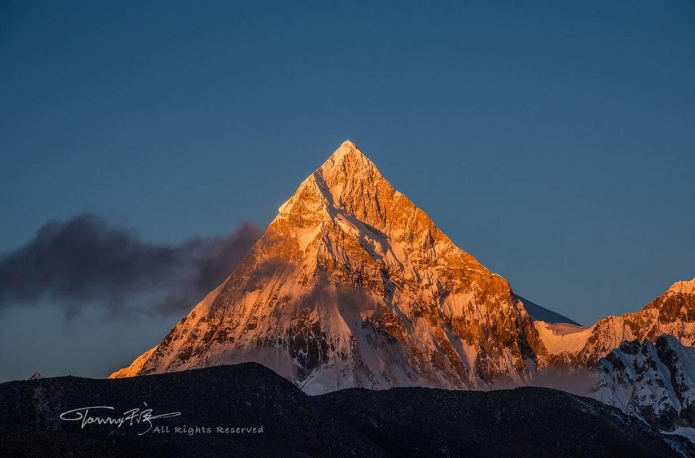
36, 376
682, 287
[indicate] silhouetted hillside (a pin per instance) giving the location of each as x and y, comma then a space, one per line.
355, 422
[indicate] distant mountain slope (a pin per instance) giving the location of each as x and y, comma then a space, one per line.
654, 381
407, 422
671, 313
539, 313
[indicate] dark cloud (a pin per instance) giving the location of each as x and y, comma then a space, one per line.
87, 262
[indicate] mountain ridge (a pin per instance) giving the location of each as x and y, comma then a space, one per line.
403, 422
671, 313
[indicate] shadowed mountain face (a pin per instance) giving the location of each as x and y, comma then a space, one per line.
402, 422
539, 313
654, 381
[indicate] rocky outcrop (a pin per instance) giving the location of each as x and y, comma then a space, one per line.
653, 381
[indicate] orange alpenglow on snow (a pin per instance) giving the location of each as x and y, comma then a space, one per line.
352, 285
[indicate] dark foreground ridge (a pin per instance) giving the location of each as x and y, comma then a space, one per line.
401, 422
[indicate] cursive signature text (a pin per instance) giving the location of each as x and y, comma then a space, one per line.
87, 416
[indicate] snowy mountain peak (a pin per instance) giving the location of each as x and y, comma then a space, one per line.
682, 287
349, 177
353, 285
347, 171
346, 150
348, 160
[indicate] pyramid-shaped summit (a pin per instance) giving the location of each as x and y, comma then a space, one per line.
352, 285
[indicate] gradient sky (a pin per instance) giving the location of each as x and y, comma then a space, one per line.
554, 141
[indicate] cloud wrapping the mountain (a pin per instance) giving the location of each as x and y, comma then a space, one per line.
88, 262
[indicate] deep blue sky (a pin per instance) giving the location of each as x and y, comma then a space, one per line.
553, 140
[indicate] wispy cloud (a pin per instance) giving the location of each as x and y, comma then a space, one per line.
88, 262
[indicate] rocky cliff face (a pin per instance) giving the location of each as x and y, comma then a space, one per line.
352, 285
653, 381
